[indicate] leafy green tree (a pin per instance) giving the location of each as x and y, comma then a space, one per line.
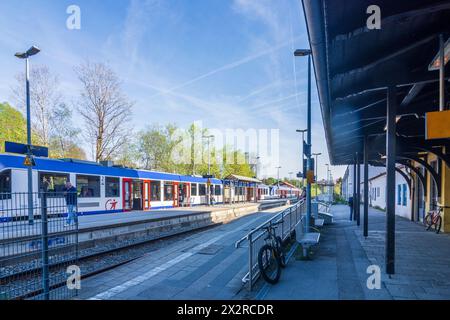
13, 126
155, 146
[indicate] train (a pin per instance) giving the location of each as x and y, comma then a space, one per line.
107, 188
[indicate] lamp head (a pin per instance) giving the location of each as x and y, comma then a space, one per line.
302, 52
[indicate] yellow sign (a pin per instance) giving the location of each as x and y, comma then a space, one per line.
29, 161
310, 176
437, 125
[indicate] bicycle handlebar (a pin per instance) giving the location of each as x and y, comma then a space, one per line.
442, 206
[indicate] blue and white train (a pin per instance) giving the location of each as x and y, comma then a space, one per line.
105, 188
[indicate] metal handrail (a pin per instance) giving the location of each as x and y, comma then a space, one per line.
260, 227
294, 212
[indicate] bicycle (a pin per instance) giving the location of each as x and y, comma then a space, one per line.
434, 218
271, 257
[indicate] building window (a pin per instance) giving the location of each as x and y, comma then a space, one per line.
202, 189
88, 186
193, 189
217, 190
378, 191
404, 194
168, 191
155, 191
112, 187
399, 194
5, 184
53, 183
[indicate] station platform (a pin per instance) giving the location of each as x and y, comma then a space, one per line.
205, 265
99, 231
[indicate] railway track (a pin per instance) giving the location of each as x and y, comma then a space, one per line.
90, 263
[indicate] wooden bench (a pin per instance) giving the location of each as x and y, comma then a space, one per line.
326, 216
306, 239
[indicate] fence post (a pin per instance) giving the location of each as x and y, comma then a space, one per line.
250, 261
44, 238
290, 220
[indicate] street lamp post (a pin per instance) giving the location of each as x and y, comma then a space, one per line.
328, 179
302, 53
25, 55
303, 152
255, 191
209, 167
278, 178
316, 165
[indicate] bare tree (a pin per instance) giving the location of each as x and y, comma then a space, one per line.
44, 99
104, 108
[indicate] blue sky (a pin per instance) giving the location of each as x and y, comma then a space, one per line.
227, 63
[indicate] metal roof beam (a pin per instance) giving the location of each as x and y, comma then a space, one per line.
436, 7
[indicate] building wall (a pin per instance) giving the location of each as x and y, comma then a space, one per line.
377, 194
445, 194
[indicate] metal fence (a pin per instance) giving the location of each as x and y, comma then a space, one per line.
36, 246
254, 240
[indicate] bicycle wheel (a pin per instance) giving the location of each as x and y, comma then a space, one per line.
438, 224
428, 221
281, 254
269, 264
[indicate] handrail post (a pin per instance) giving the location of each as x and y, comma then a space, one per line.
250, 261
44, 239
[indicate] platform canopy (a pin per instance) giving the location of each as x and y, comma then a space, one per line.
354, 66
242, 178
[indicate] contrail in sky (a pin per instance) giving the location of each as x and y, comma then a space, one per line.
226, 67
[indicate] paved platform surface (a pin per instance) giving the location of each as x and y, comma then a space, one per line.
205, 265
339, 264
22, 228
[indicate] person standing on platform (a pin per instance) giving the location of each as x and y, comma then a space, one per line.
350, 204
71, 203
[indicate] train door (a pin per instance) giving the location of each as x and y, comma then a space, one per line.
185, 193
175, 195
146, 195
127, 194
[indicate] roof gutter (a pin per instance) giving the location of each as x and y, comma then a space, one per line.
314, 11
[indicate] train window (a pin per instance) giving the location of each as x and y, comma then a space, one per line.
202, 189
5, 184
193, 189
217, 190
53, 183
155, 191
88, 186
168, 191
112, 187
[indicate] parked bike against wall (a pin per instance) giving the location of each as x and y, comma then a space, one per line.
434, 218
271, 257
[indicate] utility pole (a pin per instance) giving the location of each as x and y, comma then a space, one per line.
25, 55
316, 165
209, 168
302, 131
302, 53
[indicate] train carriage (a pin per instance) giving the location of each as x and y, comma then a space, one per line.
103, 188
